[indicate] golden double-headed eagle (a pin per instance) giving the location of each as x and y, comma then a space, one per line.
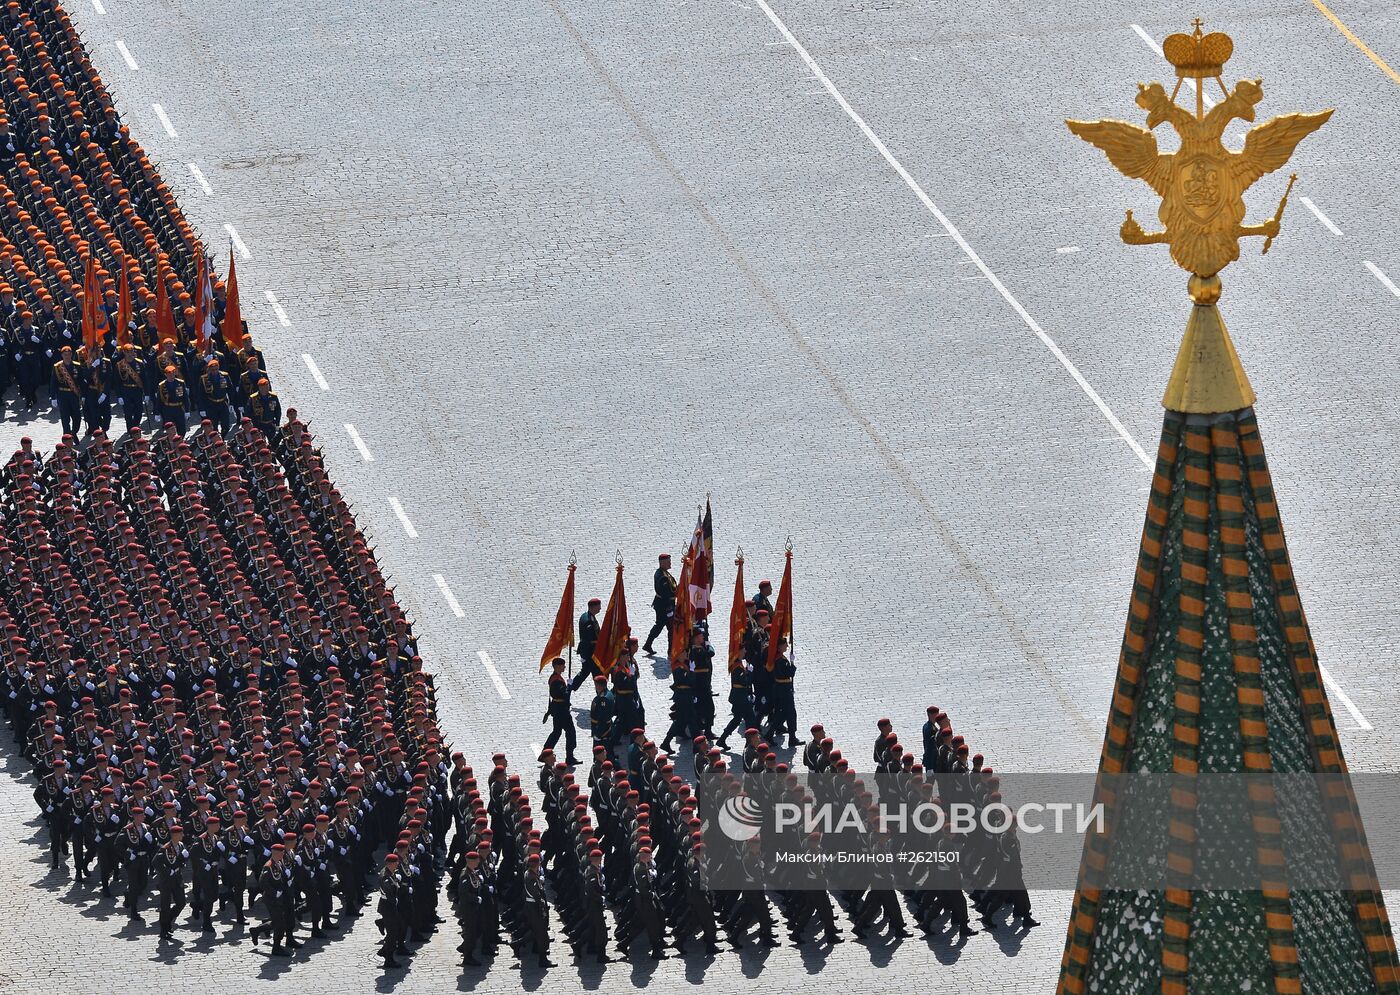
1202, 184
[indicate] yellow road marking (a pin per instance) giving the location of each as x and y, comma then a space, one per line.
1347, 33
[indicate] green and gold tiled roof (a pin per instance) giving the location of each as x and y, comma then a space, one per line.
1218, 674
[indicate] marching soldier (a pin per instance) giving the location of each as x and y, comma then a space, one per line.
214, 388
602, 715
207, 859
536, 912
130, 370
741, 708
559, 712
393, 884
647, 915
170, 879
784, 714
763, 600
265, 409
275, 888
471, 888
588, 630
139, 844
97, 392
664, 602
170, 398
68, 392
238, 843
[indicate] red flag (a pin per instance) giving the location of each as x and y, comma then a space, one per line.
203, 304
684, 616
90, 306
562, 634
123, 309
738, 618
781, 623
233, 320
702, 574
613, 634
165, 317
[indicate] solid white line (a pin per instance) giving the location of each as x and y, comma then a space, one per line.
359, 443
928, 203
126, 54
1322, 217
237, 242
315, 371
1346, 701
495, 676
199, 176
403, 517
536, 747
1152, 44
97, 6
165, 121
450, 598
277, 310
1065, 250
1379, 274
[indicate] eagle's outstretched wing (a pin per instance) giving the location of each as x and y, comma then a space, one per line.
1268, 146
1131, 149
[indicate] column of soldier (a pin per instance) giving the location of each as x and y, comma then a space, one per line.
78, 192
220, 698
636, 847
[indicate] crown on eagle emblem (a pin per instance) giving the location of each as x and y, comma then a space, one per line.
1198, 56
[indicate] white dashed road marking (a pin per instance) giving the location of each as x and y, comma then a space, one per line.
165, 121
126, 54
403, 517
237, 242
1322, 217
315, 371
1379, 274
495, 676
277, 310
97, 6
1065, 250
354, 434
200, 178
952, 230
448, 596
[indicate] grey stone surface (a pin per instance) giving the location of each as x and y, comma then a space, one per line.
569, 265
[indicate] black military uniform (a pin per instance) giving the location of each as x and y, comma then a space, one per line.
276, 890
392, 884
207, 857
740, 702
170, 881
560, 713
266, 412
130, 370
588, 630
783, 718
68, 392
170, 396
138, 844
664, 602
602, 716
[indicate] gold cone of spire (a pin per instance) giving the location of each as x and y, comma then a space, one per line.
1202, 188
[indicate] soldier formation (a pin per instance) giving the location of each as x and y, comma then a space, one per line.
85, 219
221, 700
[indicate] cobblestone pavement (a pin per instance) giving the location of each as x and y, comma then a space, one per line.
568, 265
